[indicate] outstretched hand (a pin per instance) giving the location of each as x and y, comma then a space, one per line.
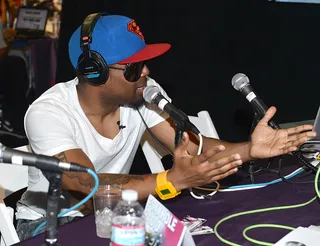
191, 171
267, 142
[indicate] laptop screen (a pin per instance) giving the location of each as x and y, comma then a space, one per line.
32, 19
316, 126
313, 144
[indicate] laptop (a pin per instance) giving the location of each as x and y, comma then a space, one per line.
313, 144
316, 127
31, 22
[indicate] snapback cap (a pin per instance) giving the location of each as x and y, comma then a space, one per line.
117, 39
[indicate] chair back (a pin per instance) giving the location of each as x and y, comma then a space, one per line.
12, 179
154, 153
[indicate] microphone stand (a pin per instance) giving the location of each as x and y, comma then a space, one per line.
182, 125
180, 128
252, 164
54, 193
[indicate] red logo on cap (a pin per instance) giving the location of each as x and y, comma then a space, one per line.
134, 28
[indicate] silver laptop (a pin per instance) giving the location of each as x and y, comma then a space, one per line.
313, 144
31, 22
316, 127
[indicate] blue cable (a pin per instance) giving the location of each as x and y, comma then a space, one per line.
95, 176
97, 184
264, 184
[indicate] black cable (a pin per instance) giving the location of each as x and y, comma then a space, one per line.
287, 180
302, 159
311, 146
279, 172
153, 136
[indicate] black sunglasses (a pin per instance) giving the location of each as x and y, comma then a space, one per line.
132, 71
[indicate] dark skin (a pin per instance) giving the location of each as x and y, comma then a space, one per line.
218, 159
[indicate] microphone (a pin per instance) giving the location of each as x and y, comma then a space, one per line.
42, 162
120, 126
241, 83
152, 94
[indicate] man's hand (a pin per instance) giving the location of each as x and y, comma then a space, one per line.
267, 142
191, 171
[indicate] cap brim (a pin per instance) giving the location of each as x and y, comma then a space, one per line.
147, 53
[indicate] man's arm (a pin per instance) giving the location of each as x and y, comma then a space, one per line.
242, 148
265, 141
165, 132
187, 171
79, 184
84, 182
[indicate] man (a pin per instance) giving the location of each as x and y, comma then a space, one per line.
78, 121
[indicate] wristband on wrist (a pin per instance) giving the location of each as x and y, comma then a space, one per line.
165, 188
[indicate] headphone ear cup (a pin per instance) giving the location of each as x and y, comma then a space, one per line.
93, 68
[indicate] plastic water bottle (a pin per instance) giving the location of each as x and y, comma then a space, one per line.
128, 221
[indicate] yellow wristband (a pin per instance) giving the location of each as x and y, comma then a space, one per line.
165, 189
162, 177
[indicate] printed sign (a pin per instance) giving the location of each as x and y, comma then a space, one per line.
163, 228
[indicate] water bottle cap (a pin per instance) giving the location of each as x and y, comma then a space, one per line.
130, 195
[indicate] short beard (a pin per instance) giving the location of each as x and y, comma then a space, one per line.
137, 104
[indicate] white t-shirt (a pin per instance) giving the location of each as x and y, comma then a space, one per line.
55, 122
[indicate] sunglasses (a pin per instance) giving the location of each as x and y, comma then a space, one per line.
132, 71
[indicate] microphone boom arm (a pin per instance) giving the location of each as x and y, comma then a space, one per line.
180, 128
54, 193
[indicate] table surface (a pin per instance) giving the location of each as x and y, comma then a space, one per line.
82, 232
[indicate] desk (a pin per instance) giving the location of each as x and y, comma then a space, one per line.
82, 232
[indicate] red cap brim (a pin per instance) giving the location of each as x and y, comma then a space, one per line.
147, 53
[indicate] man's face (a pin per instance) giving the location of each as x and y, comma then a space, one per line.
118, 90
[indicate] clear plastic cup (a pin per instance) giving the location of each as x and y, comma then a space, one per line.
104, 201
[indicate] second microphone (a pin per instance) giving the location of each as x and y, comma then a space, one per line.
152, 94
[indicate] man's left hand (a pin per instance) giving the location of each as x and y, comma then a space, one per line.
268, 142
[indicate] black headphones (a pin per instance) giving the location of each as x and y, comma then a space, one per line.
90, 63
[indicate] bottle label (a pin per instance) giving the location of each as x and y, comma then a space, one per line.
128, 235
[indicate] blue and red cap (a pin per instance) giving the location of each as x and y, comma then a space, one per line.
117, 39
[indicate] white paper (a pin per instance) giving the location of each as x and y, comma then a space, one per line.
300, 237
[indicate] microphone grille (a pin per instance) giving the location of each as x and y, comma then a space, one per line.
150, 92
239, 81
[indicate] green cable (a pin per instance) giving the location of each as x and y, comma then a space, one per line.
264, 225
316, 183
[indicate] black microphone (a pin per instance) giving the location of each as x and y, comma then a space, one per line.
241, 83
42, 162
120, 126
152, 94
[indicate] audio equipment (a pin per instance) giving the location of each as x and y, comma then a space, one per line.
90, 63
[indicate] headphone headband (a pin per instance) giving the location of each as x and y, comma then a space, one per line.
87, 29
90, 63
